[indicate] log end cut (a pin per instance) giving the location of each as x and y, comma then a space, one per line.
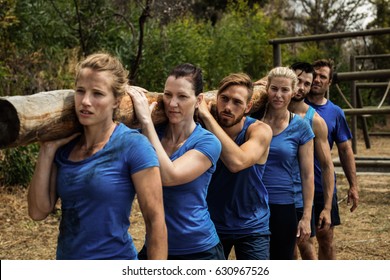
9, 123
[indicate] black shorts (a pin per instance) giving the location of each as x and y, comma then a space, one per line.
299, 212
319, 205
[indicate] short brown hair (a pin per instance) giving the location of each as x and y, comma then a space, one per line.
325, 63
236, 79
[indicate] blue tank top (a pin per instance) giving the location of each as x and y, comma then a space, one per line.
238, 202
297, 174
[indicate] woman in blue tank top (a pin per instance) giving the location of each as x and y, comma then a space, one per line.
188, 155
292, 142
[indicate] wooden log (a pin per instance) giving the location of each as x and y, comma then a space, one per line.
42, 116
51, 115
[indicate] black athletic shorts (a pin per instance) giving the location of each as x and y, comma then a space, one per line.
319, 205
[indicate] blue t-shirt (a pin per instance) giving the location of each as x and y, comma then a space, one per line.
97, 194
190, 229
297, 173
338, 131
280, 166
238, 202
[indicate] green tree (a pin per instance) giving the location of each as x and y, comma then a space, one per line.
381, 45
7, 46
238, 42
182, 40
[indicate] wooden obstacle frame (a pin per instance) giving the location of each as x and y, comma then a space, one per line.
356, 107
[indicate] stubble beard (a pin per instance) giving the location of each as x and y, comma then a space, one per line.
319, 92
226, 124
298, 99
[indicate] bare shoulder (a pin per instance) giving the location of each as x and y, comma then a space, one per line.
319, 125
261, 128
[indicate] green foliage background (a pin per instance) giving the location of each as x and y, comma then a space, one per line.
41, 41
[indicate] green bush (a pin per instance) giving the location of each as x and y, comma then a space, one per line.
237, 43
240, 44
181, 41
18, 165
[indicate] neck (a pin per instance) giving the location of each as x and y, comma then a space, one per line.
96, 137
317, 99
276, 117
298, 107
278, 120
178, 133
234, 130
275, 114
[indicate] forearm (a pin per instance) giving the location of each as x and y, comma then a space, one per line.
308, 196
306, 167
148, 187
41, 197
303, 230
157, 248
327, 185
166, 165
347, 160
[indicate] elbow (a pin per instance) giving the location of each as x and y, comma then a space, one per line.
168, 181
37, 216
233, 167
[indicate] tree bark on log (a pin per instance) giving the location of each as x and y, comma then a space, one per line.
51, 115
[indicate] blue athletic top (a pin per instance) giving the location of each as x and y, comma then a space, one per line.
338, 131
96, 196
297, 174
282, 159
190, 229
238, 202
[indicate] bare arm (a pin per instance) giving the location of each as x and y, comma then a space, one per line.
148, 187
42, 196
306, 165
184, 169
237, 158
324, 157
347, 160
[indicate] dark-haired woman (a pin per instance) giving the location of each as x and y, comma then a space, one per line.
188, 154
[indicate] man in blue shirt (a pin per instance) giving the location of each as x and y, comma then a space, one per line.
237, 198
339, 133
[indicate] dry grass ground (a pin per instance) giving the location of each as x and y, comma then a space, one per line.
364, 234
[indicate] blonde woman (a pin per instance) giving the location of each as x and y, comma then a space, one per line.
292, 140
97, 174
